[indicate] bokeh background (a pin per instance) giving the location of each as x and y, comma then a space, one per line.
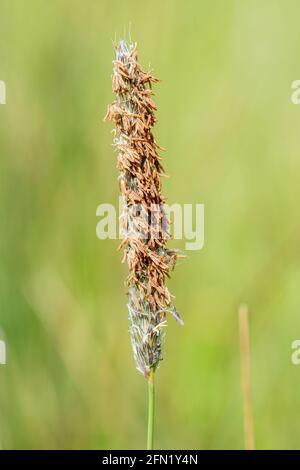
232, 138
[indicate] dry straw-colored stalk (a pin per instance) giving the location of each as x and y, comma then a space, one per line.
246, 380
144, 222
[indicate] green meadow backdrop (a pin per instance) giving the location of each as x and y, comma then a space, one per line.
232, 138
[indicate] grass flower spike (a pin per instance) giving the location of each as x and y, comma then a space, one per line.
144, 222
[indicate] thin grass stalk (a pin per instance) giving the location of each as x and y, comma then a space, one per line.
151, 410
245, 376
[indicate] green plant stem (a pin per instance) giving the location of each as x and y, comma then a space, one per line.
151, 409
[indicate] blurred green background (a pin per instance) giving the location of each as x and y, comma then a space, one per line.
232, 138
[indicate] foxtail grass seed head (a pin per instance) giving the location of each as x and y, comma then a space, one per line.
144, 222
